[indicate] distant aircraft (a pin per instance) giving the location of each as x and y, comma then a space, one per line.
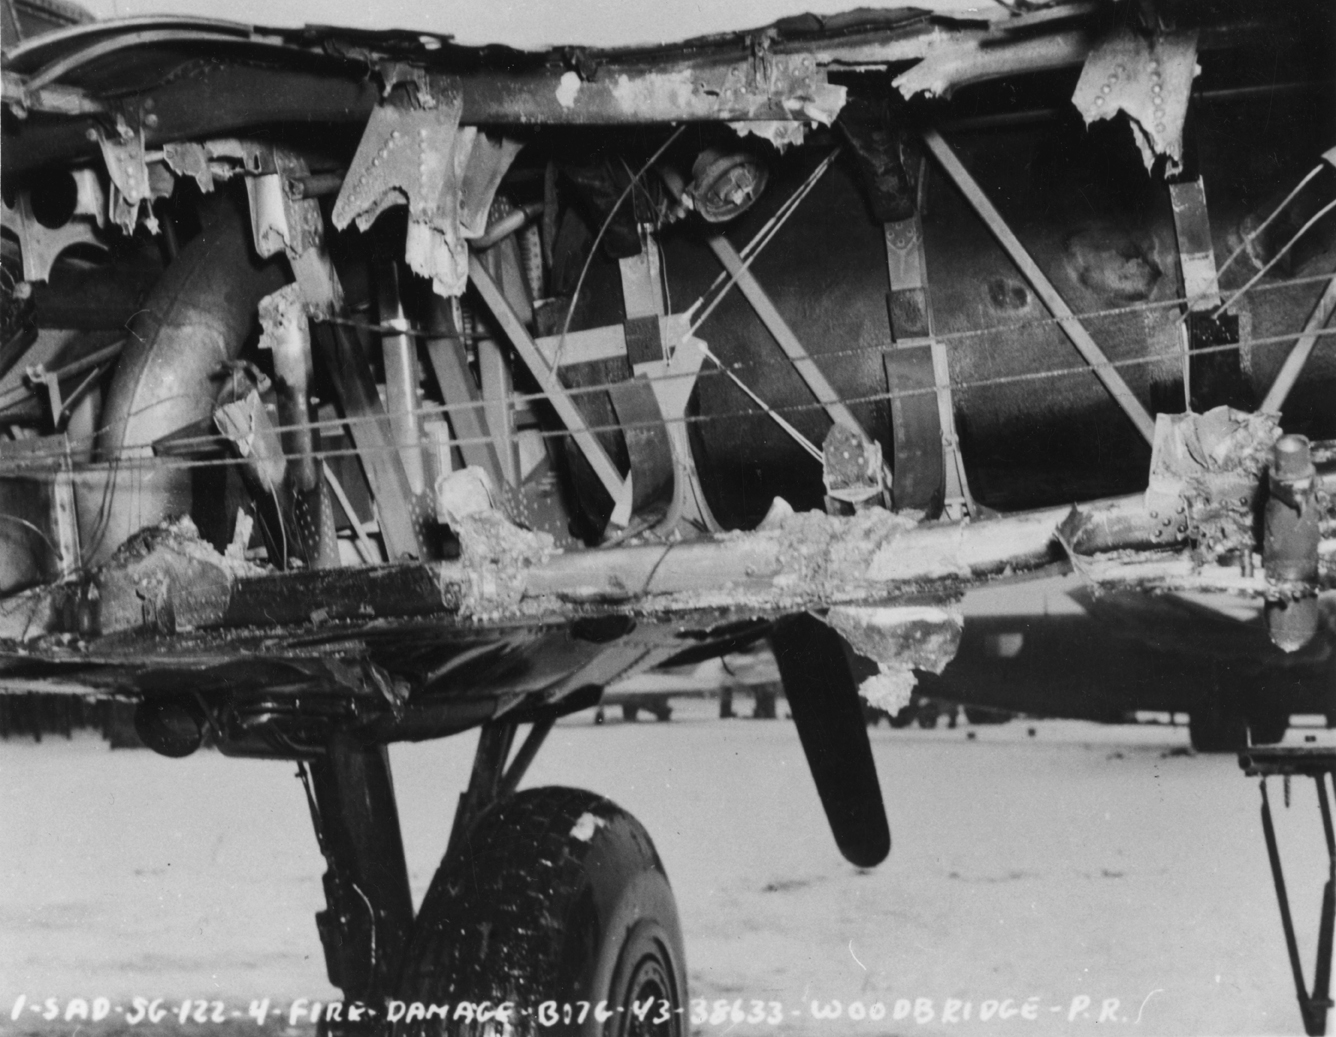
1052, 648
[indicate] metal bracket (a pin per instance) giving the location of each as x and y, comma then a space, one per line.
61, 406
131, 184
1214, 378
642, 279
1196, 253
912, 328
617, 488
41, 246
672, 381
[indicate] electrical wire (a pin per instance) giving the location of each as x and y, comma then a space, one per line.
957, 388
950, 339
1273, 260
761, 239
1248, 239
598, 238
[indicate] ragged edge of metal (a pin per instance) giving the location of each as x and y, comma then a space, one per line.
1170, 539
801, 562
900, 639
951, 60
414, 152
1148, 78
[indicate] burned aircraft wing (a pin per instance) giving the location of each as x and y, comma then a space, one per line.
363, 386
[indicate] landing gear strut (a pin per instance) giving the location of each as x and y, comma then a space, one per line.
550, 906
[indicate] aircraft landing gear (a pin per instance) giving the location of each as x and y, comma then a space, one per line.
1216, 728
550, 906
556, 903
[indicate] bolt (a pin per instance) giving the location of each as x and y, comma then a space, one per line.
150, 120
1105, 88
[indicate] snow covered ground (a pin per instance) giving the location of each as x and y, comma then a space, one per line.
1082, 862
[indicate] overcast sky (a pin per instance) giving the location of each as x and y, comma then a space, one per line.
523, 23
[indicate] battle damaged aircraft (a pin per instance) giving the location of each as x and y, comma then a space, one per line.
362, 386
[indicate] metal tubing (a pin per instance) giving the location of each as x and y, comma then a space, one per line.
489, 761
547, 379
445, 348
354, 793
1044, 288
528, 749
358, 399
399, 353
1302, 350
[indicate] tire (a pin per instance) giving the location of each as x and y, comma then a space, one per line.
1214, 730
982, 715
1269, 727
556, 895
630, 712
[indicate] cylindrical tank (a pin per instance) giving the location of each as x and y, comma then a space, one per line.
1036, 427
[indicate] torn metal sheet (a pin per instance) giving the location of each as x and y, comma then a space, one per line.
779, 132
495, 557
245, 422
1206, 474
1148, 78
955, 59
415, 153
130, 182
185, 158
900, 639
852, 468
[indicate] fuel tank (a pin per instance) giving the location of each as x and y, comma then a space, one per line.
1035, 426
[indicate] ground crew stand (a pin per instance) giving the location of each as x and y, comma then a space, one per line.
1320, 765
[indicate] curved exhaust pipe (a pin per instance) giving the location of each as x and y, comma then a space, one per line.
198, 317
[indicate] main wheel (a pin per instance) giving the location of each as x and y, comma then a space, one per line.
1268, 726
555, 903
1216, 729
